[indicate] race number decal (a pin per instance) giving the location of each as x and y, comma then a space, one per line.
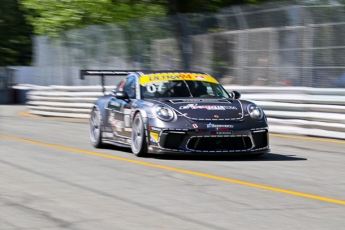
153, 87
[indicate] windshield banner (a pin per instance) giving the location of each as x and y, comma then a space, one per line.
163, 77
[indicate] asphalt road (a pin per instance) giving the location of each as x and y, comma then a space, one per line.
52, 178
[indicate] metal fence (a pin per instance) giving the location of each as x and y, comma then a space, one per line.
271, 44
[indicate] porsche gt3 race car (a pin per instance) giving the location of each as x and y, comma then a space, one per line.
176, 112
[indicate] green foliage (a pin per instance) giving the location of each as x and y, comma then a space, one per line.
54, 17
15, 41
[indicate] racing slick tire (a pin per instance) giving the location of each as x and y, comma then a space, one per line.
96, 128
138, 144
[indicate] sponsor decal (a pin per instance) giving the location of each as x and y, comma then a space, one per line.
153, 137
111, 117
148, 103
114, 103
185, 76
200, 78
127, 119
119, 125
128, 129
210, 125
195, 126
114, 122
127, 111
208, 107
161, 77
155, 128
199, 100
223, 132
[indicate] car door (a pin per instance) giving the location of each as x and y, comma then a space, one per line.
114, 107
122, 123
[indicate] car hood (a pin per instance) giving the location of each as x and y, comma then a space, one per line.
207, 109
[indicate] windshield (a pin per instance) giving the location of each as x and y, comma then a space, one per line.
182, 88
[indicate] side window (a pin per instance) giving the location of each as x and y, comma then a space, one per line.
121, 85
129, 87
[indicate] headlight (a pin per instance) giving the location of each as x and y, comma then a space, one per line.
255, 111
164, 113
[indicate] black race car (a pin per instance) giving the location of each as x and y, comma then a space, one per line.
176, 112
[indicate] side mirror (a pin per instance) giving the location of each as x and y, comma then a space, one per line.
121, 95
235, 94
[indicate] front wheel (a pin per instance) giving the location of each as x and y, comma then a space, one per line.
95, 128
138, 145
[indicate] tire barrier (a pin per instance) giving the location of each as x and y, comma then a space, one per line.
290, 110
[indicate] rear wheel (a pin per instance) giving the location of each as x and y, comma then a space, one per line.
138, 145
96, 128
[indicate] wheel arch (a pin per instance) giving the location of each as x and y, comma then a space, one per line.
100, 103
146, 125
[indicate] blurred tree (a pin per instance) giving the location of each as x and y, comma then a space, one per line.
15, 41
54, 17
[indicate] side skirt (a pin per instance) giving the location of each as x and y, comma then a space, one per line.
120, 144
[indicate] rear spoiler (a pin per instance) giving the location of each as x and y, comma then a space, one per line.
103, 73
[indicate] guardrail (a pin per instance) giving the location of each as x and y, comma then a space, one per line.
290, 110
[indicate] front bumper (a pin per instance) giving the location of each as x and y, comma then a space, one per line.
209, 142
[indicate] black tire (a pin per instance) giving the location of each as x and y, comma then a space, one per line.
138, 144
96, 128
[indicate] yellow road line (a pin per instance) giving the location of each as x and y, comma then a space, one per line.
308, 138
199, 174
25, 114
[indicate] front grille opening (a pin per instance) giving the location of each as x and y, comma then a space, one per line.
220, 143
173, 140
260, 139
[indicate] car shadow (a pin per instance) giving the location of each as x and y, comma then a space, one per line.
264, 157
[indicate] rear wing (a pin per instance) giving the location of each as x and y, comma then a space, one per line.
103, 73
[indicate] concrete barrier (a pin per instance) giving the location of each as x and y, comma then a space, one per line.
291, 110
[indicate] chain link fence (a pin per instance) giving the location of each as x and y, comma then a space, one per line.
264, 45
